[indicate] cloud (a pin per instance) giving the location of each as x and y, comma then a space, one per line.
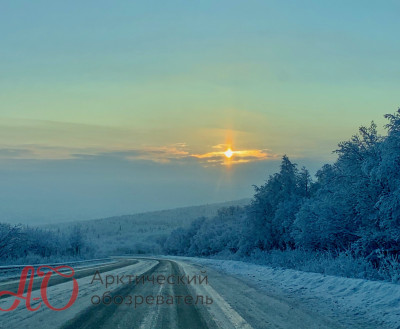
239, 156
221, 146
162, 154
42, 152
15, 153
173, 153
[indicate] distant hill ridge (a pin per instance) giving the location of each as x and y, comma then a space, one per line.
142, 232
193, 212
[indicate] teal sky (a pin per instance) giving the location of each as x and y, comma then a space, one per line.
172, 84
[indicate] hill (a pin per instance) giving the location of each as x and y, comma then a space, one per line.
137, 233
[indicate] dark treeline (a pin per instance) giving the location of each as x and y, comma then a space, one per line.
30, 244
351, 206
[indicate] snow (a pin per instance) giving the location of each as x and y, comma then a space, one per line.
376, 301
222, 313
46, 318
14, 271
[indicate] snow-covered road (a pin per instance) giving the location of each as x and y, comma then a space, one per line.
243, 296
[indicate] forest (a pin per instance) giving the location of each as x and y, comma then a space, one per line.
142, 233
345, 221
25, 244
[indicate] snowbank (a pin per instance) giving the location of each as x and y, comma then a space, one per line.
377, 301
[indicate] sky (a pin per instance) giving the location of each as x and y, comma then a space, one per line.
116, 107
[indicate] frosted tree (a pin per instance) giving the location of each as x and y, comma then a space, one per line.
273, 209
218, 234
388, 176
10, 236
343, 207
76, 240
179, 241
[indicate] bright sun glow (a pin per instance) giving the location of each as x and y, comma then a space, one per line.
228, 153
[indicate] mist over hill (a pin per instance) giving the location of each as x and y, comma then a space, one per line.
137, 233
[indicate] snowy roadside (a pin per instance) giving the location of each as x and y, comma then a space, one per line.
46, 318
339, 297
14, 271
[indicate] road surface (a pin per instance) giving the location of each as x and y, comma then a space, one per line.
235, 303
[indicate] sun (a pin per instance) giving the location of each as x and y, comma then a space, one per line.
228, 153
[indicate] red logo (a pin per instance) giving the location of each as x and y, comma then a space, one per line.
43, 287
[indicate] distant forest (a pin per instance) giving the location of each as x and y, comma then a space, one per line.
349, 215
143, 233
